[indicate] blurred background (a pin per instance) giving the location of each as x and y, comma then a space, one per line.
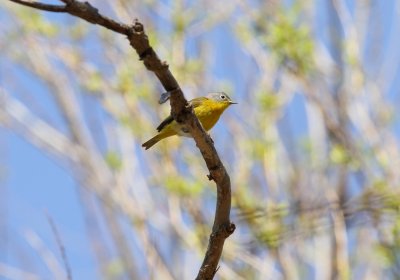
312, 148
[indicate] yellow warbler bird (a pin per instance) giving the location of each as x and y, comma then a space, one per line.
207, 109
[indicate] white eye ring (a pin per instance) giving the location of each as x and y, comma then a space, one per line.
222, 96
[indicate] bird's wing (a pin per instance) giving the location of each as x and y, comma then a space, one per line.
164, 123
196, 102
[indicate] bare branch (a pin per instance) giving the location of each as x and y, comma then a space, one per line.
42, 6
183, 114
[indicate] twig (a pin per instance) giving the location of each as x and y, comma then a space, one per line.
181, 112
10, 272
41, 6
60, 246
45, 254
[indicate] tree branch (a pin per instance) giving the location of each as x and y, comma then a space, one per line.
42, 6
180, 110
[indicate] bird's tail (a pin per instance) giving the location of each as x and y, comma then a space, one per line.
150, 143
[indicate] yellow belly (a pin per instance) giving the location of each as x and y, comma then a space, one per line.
208, 121
209, 114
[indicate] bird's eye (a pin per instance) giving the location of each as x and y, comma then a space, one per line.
222, 96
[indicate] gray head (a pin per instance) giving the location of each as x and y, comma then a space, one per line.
221, 97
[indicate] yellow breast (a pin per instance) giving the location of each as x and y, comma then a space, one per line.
209, 112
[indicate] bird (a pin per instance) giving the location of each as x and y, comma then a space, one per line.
208, 110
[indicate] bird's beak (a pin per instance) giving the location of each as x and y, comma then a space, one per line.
231, 102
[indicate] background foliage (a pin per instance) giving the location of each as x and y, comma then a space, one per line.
312, 148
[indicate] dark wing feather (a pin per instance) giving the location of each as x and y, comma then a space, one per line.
194, 102
164, 123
